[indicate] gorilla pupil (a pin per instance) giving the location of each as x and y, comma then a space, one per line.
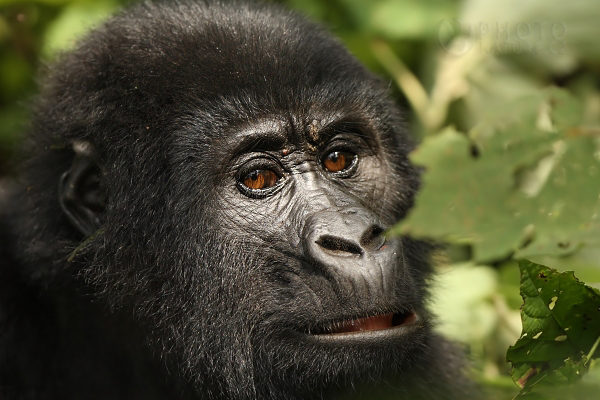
260, 179
338, 161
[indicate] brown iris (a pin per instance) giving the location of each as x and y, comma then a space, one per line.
337, 161
260, 179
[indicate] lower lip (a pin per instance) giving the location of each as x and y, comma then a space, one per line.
410, 326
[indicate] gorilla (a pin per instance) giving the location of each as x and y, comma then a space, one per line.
200, 214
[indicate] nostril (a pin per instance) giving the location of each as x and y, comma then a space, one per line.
339, 245
373, 239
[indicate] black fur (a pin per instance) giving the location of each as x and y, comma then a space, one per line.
136, 264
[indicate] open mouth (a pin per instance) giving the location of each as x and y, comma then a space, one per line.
373, 323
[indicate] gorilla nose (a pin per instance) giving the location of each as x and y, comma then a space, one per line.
349, 238
349, 244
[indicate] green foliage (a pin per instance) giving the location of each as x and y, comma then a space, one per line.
561, 327
73, 22
519, 170
31, 31
400, 19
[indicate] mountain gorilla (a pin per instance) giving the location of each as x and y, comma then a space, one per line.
200, 215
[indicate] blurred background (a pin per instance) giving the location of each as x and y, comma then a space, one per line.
453, 64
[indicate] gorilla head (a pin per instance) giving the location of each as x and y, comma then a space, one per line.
201, 214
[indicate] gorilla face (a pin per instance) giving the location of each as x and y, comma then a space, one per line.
301, 203
225, 174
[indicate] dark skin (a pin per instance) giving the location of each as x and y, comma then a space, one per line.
201, 216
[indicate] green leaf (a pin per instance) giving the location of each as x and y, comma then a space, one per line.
533, 185
561, 326
400, 19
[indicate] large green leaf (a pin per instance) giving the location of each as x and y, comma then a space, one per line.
525, 179
561, 327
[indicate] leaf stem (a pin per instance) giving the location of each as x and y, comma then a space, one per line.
592, 351
409, 84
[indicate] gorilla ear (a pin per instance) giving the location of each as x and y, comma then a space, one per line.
81, 193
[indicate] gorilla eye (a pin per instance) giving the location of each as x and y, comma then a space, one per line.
260, 179
338, 161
